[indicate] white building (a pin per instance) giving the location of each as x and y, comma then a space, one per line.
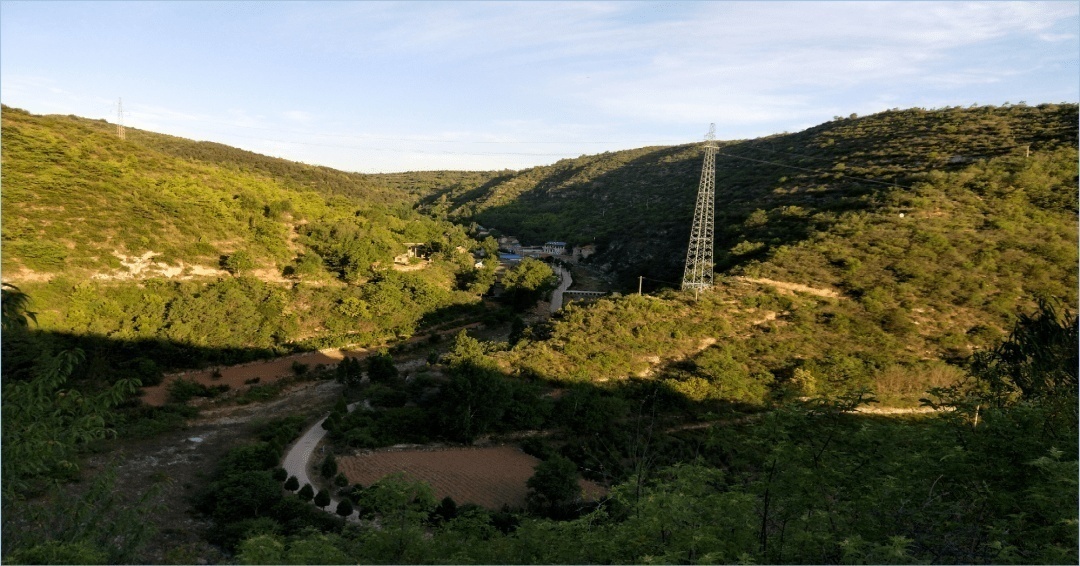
555, 248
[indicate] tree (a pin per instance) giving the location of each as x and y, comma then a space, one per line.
517, 330
306, 492
244, 495
45, 420
328, 468
381, 367
553, 485
447, 509
527, 282
349, 372
280, 474
344, 508
15, 311
292, 484
477, 395
308, 265
1039, 359
239, 262
322, 499
402, 506
99, 522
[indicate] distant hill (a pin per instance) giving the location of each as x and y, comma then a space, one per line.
76, 199
932, 228
772, 192
956, 217
187, 252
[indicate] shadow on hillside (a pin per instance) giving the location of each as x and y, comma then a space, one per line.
447, 194
108, 359
640, 213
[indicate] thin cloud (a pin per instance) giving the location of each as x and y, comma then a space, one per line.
438, 85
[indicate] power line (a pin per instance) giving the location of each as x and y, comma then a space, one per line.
389, 150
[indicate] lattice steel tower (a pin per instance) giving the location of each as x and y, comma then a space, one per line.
699, 256
120, 132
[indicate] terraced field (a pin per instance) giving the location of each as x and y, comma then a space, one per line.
490, 477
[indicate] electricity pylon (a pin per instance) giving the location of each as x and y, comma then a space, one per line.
120, 119
698, 273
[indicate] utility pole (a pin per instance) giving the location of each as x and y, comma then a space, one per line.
698, 273
120, 133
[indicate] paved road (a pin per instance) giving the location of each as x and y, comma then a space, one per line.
299, 456
564, 283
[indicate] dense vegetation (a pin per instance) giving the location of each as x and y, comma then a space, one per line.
289, 255
908, 257
78, 200
993, 481
771, 192
933, 227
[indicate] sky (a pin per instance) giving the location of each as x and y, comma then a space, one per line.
383, 87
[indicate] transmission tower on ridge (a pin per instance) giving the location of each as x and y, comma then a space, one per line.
698, 273
120, 119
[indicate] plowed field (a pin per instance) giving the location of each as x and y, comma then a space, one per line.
489, 477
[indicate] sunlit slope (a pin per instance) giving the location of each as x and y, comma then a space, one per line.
860, 253
77, 199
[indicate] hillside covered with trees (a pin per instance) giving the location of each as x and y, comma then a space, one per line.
773, 193
919, 235
154, 240
925, 260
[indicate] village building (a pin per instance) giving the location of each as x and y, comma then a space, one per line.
510, 258
510, 244
555, 248
413, 249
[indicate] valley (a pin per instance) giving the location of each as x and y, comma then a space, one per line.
885, 369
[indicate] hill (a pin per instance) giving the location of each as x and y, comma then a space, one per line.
924, 234
726, 425
78, 200
771, 192
158, 238
933, 228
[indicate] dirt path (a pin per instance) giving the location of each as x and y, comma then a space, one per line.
297, 460
794, 287
176, 464
564, 283
268, 371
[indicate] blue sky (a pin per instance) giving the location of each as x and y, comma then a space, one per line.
372, 87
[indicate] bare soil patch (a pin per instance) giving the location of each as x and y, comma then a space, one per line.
490, 477
793, 287
236, 377
178, 463
268, 371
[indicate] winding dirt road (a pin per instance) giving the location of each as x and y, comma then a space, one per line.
297, 459
564, 283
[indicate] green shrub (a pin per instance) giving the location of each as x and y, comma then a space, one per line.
182, 390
